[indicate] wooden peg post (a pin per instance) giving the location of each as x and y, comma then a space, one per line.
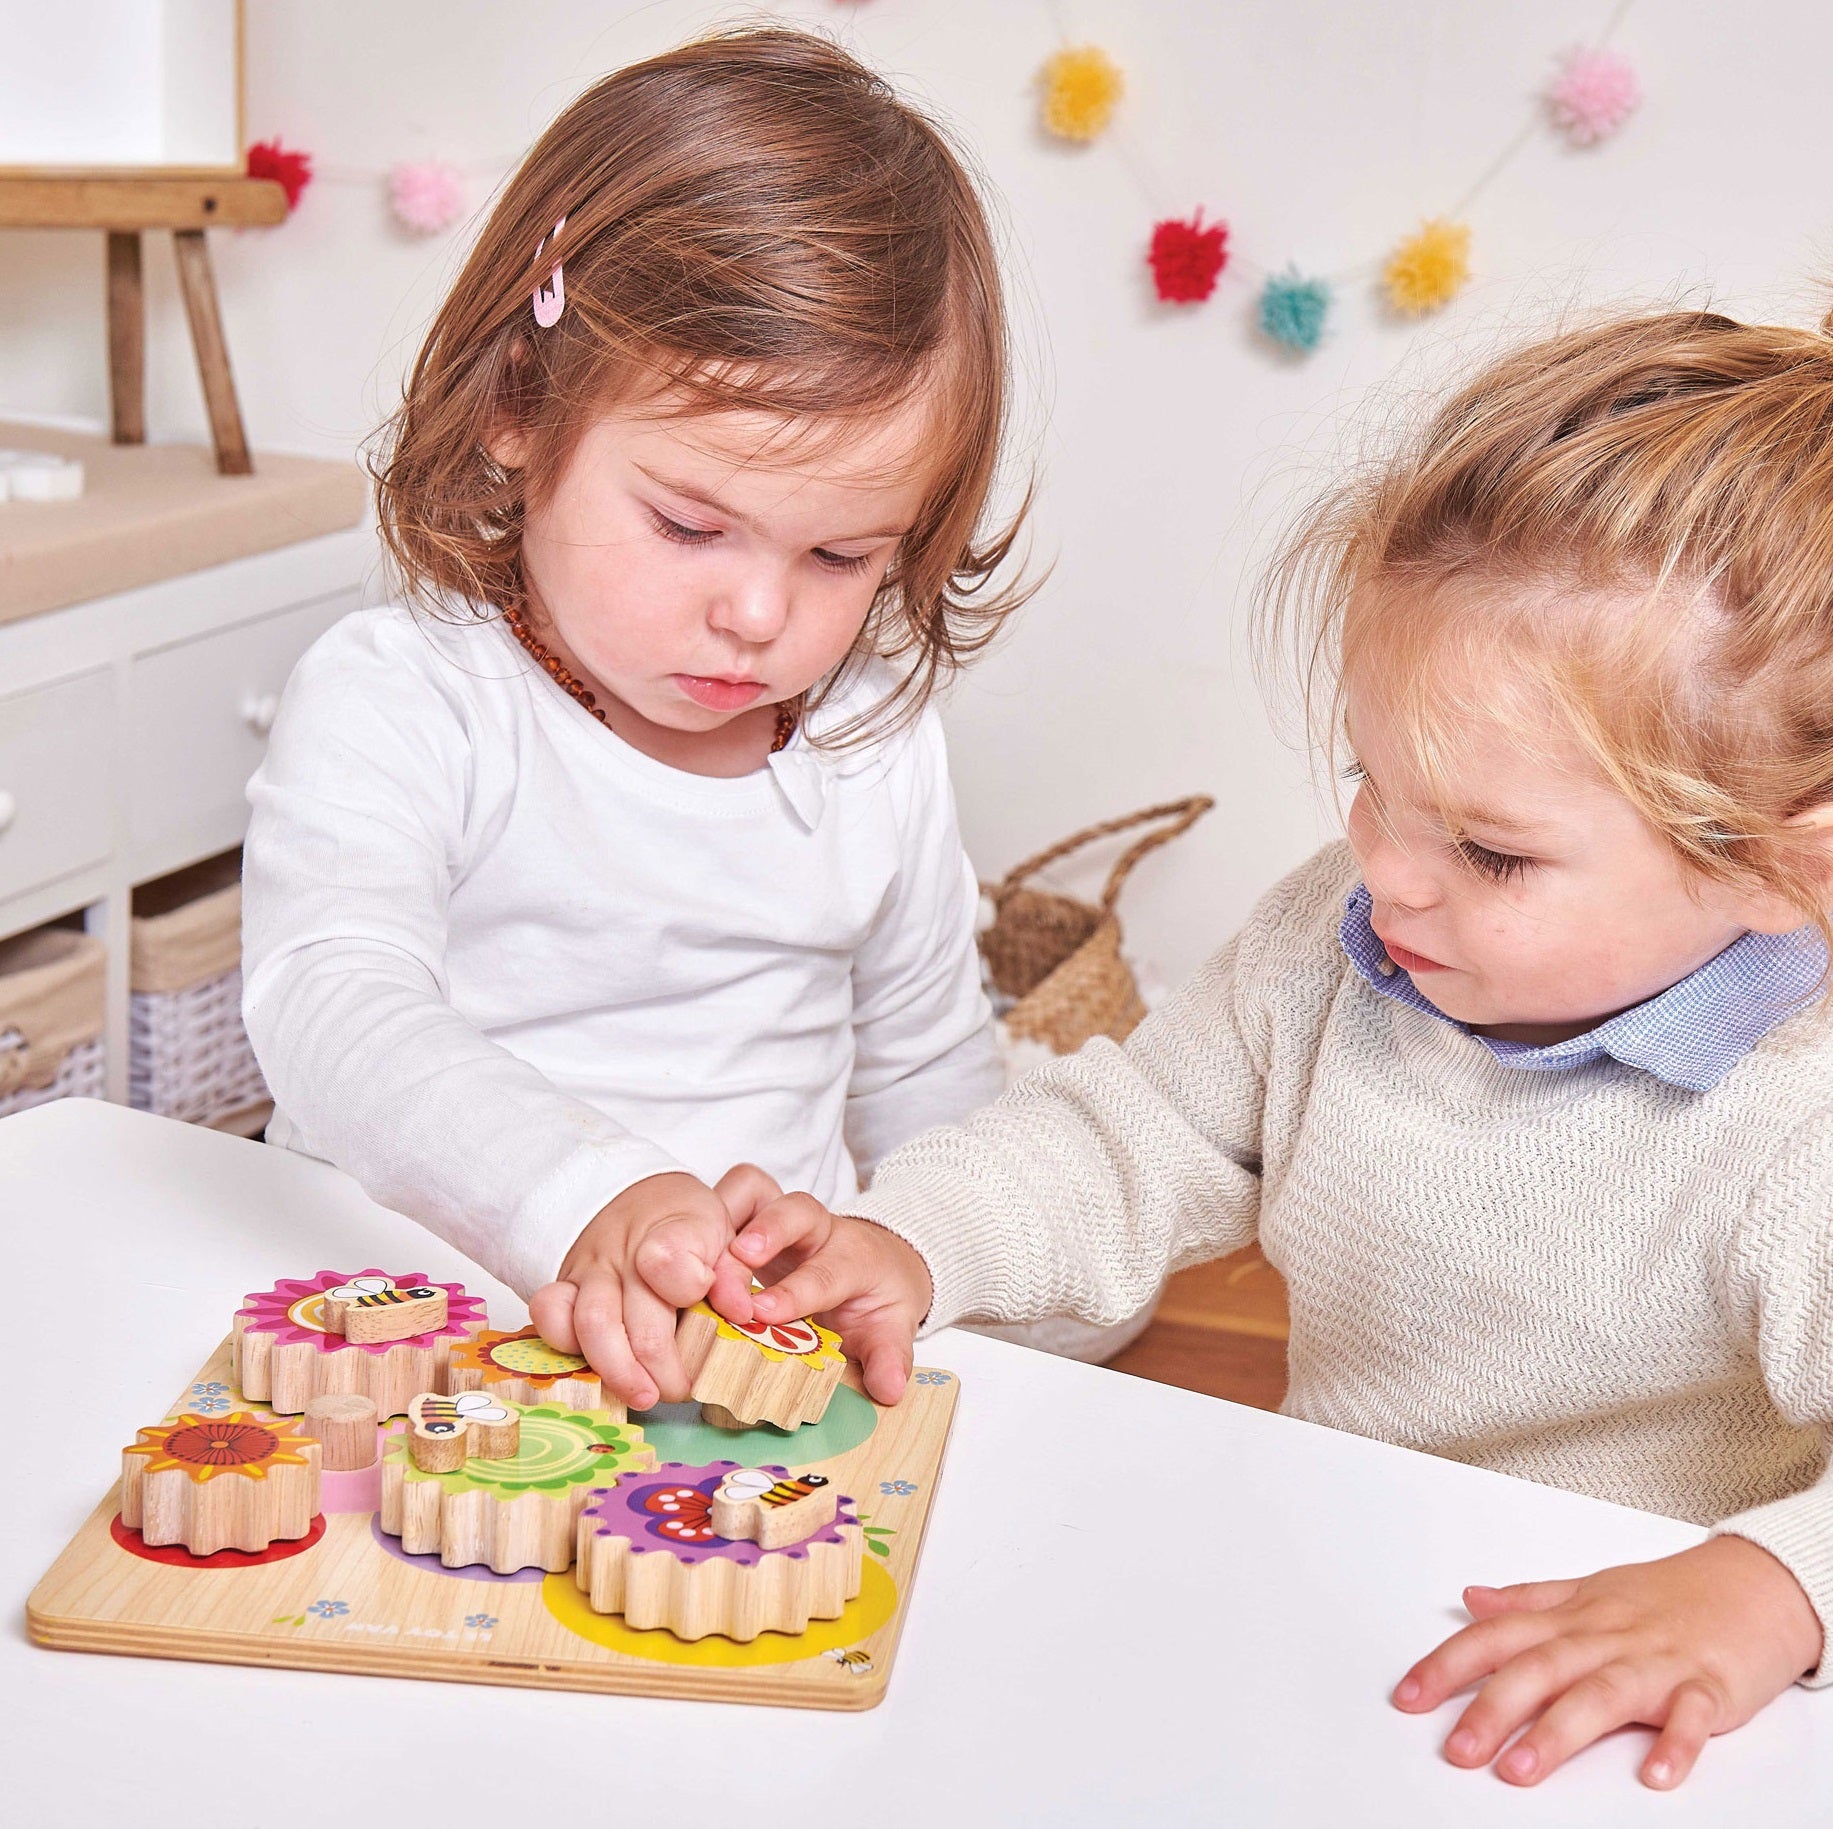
346, 1431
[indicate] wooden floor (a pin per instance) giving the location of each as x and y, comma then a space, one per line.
1220, 1329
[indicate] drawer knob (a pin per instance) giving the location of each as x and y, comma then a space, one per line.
9, 809
259, 711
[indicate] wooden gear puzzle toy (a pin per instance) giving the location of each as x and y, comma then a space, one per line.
333, 1492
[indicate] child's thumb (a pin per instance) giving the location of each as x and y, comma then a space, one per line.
884, 1350
677, 1258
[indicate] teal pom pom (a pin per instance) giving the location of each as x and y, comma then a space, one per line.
1292, 310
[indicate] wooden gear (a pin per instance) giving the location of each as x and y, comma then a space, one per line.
211, 1483
516, 1512
648, 1549
782, 1373
523, 1369
285, 1352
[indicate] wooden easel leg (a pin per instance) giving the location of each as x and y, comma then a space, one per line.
199, 287
126, 340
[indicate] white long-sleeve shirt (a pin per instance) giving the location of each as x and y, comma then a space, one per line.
499, 965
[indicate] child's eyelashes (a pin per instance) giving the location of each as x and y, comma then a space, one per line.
1352, 770
844, 564
1496, 866
681, 534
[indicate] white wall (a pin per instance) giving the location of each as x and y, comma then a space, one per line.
1167, 441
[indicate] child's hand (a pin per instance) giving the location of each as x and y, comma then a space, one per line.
864, 1282
657, 1248
1693, 1644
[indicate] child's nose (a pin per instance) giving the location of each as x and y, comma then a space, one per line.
754, 609
1395, 873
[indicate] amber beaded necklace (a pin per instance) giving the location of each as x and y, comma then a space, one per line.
787, 713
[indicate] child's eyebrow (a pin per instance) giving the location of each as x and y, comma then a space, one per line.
704, 499
1459, 819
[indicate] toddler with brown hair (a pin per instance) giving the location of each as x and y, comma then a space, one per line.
637, 856
1527, 1088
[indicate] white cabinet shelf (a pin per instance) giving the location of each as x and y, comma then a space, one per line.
129, 726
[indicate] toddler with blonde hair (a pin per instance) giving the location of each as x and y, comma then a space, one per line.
1527, 1088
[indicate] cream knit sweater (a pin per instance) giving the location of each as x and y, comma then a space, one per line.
1588, 1278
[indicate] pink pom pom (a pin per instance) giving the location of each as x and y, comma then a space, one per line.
427, 196
1594, 93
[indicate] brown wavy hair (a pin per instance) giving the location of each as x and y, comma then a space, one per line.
754, 222
1624, 534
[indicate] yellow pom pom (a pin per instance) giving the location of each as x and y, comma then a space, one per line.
1429, 268
1081, 91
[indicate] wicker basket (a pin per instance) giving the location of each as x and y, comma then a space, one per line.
1059, 959
51, 1018
188, 1054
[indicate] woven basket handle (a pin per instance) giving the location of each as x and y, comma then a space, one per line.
1183, 814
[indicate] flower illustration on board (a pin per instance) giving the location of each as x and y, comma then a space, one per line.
329, 1609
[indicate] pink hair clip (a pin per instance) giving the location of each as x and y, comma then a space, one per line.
550, 295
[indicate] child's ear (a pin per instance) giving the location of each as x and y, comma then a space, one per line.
509, 441
508, 447
1774, 914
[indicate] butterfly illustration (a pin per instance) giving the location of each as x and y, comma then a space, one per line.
684, 1513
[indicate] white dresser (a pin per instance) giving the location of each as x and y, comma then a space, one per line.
131, 719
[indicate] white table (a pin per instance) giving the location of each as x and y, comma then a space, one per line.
1255, 1693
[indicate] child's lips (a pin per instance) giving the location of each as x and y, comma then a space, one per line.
720, 694
1410, 961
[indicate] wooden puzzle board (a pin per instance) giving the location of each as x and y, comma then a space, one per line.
342, 1599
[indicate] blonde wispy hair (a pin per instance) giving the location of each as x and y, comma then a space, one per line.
1620, 535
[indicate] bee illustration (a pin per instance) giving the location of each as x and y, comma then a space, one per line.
375, 1310
383, 1298
855, 1662
447, 1415
753, 1483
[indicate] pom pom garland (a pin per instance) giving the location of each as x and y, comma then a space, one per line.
1082, 89
1187, 258
1429, 268
1594, 93
426, 195
290, 169
1292, 310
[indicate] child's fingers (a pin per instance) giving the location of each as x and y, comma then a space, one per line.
1468, 1656
746, 1190
551, 1310
1610, 1697
649, 1324
1693, 1713
796, 1219
812, 1288
731, 1291
598, 1320
882, 1346
1517, 1693
677, 1255
1523, 1596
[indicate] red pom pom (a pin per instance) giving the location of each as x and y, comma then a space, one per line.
292, 171
1187, 259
